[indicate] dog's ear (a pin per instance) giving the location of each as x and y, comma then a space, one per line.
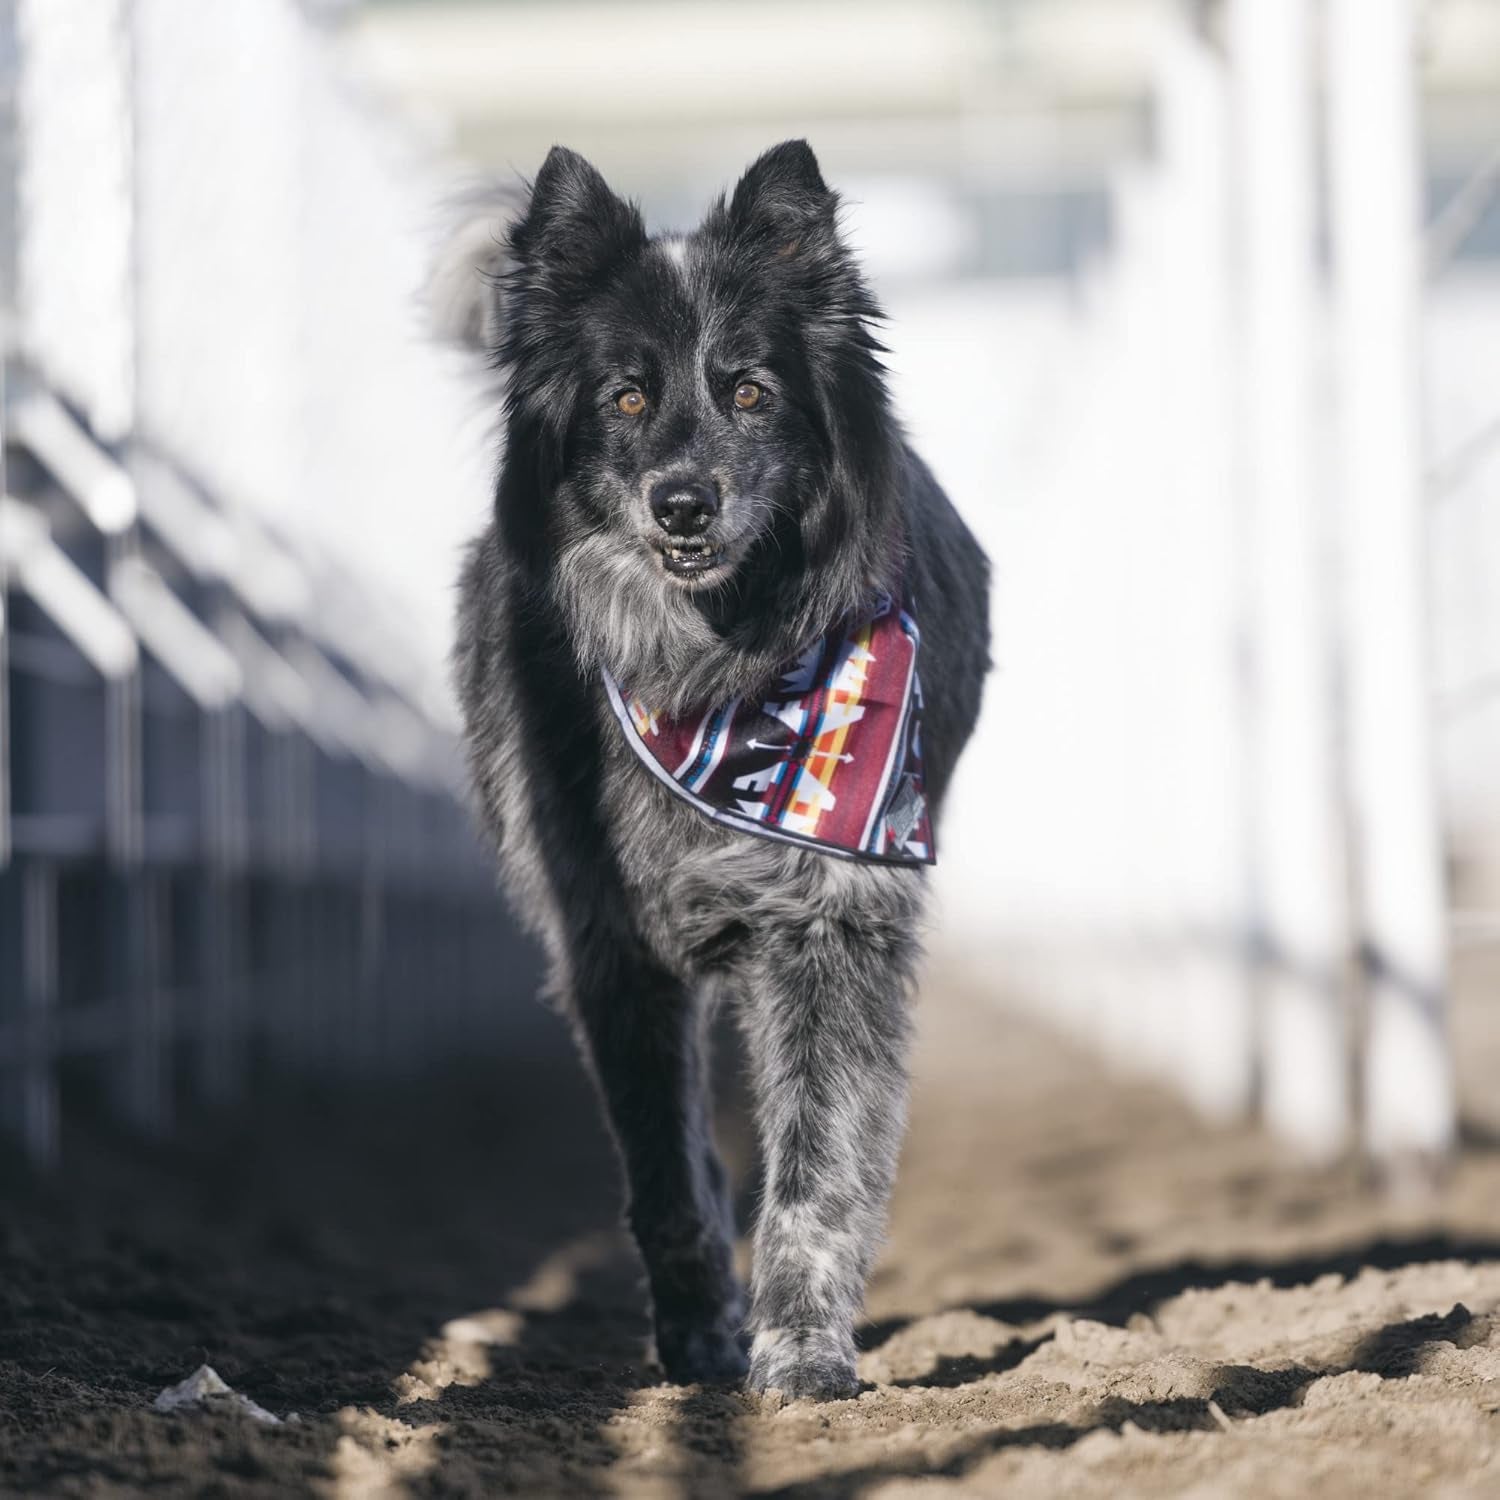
573, 223
783, 196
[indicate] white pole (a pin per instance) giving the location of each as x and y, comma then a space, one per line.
1376, 222
1298, 856
1212, 1042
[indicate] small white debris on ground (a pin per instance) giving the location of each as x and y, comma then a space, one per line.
205, 1389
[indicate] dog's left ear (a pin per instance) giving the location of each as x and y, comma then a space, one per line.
783, 197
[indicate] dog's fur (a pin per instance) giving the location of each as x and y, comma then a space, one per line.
648, 911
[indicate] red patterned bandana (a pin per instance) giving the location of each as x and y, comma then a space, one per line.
827, 755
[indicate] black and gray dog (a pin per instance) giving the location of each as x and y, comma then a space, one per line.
701, 475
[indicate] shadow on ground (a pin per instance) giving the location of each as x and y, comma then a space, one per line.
431, 1276
308, 1254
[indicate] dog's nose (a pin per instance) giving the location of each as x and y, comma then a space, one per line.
682, 509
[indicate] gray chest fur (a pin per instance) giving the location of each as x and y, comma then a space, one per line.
702, 897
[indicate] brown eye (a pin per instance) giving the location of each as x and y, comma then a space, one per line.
748, 395
632, 403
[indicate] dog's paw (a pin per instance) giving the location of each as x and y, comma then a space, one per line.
701, 1353
812, 1363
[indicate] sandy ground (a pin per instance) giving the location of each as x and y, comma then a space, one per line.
1085, 1293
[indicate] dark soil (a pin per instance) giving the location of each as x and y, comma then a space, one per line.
1086, 1292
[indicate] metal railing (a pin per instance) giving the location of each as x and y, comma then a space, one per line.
232, 833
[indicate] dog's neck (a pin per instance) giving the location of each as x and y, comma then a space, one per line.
678, 649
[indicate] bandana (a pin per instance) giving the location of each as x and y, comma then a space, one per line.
828, 755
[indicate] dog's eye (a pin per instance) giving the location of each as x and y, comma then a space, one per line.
632, 402
748, 395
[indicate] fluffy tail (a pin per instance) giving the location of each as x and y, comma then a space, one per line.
463, 289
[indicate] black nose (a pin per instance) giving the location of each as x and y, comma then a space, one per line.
682, 509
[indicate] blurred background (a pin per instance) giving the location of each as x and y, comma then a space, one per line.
1194, 308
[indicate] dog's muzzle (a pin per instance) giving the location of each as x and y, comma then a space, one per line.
685, 511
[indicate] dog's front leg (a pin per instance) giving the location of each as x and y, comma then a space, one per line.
827, 1028
643, 1033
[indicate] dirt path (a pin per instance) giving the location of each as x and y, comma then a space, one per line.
1085, 1293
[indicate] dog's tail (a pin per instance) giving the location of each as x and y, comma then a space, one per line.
463, 290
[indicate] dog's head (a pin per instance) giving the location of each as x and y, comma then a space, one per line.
685, 409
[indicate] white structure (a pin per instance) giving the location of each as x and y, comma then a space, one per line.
1378, 261
1201, 828
1298, 870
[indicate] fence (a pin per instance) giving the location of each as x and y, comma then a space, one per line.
230, 825
1230, 687
1199, 827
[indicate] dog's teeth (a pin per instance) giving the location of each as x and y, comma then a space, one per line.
697, 555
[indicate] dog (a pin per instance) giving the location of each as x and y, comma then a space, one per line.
705, 507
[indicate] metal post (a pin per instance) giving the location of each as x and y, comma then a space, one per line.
9, 212
1298, 855
146, 1086
39, 1123
5, 835
1376, 223
220, 907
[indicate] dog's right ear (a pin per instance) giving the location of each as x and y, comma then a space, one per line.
574, 224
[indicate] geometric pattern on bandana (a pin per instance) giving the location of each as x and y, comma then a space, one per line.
827, 755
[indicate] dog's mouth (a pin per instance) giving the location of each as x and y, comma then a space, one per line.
691, 557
